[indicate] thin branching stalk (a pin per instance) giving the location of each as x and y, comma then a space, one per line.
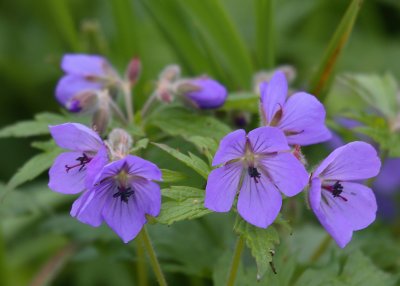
153, 257
237, 254
320, 250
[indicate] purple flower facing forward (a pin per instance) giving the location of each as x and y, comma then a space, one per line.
301, 117
205, 93
257, 166
75, 171
85, 74
122, 195
340, 202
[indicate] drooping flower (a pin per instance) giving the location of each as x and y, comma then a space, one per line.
123, 193
301, 117
75, 171
258, 166
203, 92
85, 75
340, 202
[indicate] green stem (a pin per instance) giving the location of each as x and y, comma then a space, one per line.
322, 247
141, 263
153, 257
235, 261
148, 104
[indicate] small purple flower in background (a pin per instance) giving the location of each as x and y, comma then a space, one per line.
301, 117
85, 75
75, 171
258, 166
341, 204
203, 92
122, 195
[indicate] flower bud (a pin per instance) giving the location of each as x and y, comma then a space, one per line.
165, 83
203, 92
170, 73
85, 101
133, 71
120, 142
262, 76
102, 115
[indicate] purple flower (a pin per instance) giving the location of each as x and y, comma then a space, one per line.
206, 93
258, 166
301, 117
75, 171
341, 204
85, 74
122, 195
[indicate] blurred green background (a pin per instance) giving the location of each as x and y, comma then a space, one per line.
227, 39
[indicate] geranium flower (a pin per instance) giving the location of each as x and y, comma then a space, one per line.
257, 166
75, 171
301, 117
340, 202
85, 74
122, 195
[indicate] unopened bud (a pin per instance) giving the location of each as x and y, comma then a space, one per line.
102, 115
205, 93
85, 101
133, 71
170, 73
120, 142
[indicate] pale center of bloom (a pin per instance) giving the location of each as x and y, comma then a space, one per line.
83, 161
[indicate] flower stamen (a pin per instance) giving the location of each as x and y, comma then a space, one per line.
83, 161
253, 173
124, 193
336, 189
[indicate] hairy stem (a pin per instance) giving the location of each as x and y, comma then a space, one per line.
126, 89
147, 104
153, 257
237, 254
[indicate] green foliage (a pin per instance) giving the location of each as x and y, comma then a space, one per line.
206, 146
170, 176
184, 203
38, 126
192, 161
261, 243
33, 168
323, 74
244, 101
182, 122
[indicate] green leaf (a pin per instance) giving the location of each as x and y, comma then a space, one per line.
170, 176
260, 241
192, 161
33, 168
44, 145
210, 18
378, 92
141, 144
182, 122
265, 29
206, 146
38, 126
322, 76
185, 203
243, 101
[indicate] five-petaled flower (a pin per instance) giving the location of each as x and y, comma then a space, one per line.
257, 166
75, 171
123, 193
340, 202
301, 117
85, 75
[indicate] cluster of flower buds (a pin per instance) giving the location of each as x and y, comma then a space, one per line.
91, 84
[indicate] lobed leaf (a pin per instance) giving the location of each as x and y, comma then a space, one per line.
33, 168
192, 161
185, 203
206, 146
182, 122
260, 241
